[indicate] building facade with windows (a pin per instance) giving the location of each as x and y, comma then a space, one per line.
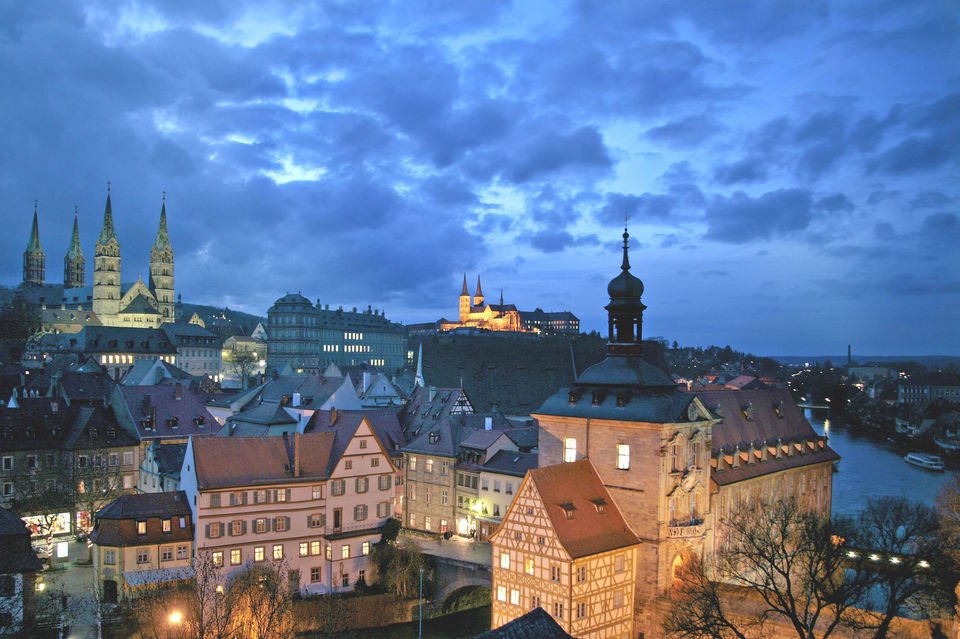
677, 463
139, 540
565, 547
315, 502
18, 575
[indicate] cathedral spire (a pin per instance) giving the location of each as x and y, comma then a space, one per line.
479, 292
107, 232
464, 290
33, 245
163, 238
75, 249
418, 380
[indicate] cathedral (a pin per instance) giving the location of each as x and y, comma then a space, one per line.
132, 304
478, 314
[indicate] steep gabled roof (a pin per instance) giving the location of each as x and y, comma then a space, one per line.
383, 421
576, 488
175, 418
226, 462
510, 462
534, 624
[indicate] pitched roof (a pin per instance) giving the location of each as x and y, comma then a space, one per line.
511, 462
116, 523
178, 418
142, 368
759, 419
536, 623
313, 389
524, 438
140, 305
481, 438
225, 462
17, 555
143, 505
576, 487
383, 421
169, 458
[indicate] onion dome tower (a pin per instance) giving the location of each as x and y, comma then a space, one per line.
625, 310
74, 264
34, 259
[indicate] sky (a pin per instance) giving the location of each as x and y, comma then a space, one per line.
789, 169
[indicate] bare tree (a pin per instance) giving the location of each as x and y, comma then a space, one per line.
242, 361
781, 563
261, 602
398, 568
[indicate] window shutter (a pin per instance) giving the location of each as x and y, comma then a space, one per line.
272, 523
230, 529
323, 519
208, 531
215, 500
255, 498
243, 525
288, 494
286, 521
244, 498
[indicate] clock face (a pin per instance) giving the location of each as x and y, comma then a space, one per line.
691, 412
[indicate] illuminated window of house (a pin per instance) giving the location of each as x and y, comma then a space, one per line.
314, 547
345, 552
141, 528
328, 552
217, 558
413, 463
278, 551
501, 593
623, 456
528, 566
570, 449
429, 467
259, 553
365, 548
235, 557
505, 560
514, 597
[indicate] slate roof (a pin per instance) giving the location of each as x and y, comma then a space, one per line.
481, 438
18, 555
35, 425
758, 417
511, 462
536, 624
109, 339
225, 462
513, 375
116, 523
383, 421
313, 389
75, 385
656, 405
422, 417
577, 486
526, 439
142, 367
173, 331
140, 305
169, 458
72, 316
141, 401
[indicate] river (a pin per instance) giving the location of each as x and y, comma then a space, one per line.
871, 466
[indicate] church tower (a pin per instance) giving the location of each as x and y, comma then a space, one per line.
161, 269
106, 270
34, 259
649, 441
74, 264
478, 296
464, 300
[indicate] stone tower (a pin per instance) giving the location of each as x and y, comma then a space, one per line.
161, 269
478, 296
106, 270
650, 443
464, 300
74, 264
34, 259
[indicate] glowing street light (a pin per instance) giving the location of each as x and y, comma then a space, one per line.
176, 617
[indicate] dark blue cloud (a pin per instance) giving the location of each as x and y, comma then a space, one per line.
750, 169
740, 218
686, 132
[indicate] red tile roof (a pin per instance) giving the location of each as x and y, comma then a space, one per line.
226, 462
577, 486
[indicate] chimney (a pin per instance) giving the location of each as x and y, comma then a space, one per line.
178, 392
366, 381
779, 448
333, 416
433, 393
296, 454
296, 399
487, 423
736, 457
765, 450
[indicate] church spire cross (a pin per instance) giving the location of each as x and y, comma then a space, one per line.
626, 258
107, 231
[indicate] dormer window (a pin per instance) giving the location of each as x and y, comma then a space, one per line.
434, 437
568, 509
600, 505
778, 409
747, 411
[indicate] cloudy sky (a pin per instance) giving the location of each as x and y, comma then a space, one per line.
790, 169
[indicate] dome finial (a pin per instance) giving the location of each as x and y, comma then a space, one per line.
626, 237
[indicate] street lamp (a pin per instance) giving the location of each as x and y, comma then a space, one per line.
176, 617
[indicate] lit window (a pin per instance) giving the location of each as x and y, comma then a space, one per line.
235, 557
166, 525
501, 593
345, 552
623, 456
528, 566
505, 560
217, 558
569, 449
365, 548
314, 547
278, 551
514, 597
258, 553
141, 528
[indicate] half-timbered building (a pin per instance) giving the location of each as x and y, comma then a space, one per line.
564, 546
